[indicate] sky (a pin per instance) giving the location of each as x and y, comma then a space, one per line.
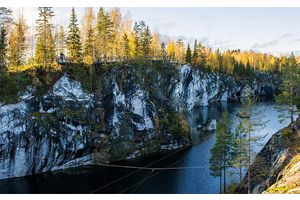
269, 30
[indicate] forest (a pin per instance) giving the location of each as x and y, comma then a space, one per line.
105, 38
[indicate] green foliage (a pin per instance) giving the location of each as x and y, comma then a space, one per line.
123, 145
104, 34
289, 89
11, 85
5, 20
45, 46
18, 43
188, 55
142, 40
222, 151
73, 40
86, 74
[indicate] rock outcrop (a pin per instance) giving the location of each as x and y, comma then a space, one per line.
68, 127
270, 164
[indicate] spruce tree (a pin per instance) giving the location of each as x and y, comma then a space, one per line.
125, 46
5, 20
104, 34
60, 40
146, 42
289, 90
188, 55
138, 29
73, 40
163, 51
45, 46
195, 53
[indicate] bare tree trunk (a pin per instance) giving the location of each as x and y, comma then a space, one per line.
240, 169
292, 109
224, 184
220, 182
249, 159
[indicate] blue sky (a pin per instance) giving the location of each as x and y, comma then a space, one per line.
270, 30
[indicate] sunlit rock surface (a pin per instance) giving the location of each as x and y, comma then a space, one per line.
69, 127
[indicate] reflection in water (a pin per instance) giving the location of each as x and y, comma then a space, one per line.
87, 179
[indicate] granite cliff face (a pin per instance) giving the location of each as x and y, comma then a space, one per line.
68, 127
275, 167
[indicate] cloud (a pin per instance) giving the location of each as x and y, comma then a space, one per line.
296, 40
167, 24
272, 43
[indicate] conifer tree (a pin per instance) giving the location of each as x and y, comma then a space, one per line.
221, 157
18, 43
188, 55
125, 51
73, 40
195, 53
104, 34
179, 51
45, 46
60, 40
5, 20
250, 120
163, 51
290, 88
146, 42
139, 29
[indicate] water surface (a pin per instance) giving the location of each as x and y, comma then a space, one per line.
97, 179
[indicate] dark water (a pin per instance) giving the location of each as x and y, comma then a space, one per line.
97, 179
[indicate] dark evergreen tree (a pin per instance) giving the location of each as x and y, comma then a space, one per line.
222, 151
145, 42
104, 34
45, 46
125, 47
290, 89
73, 40
5, 20
195, 53
188, 54
163, 49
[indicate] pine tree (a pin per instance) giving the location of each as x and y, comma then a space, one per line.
45, 46
163, 51
18, 43
221, 157
73, 40
139, 29
250, 120
146, 42
104, 34
60, 40
188, 55
290, 88
5, 20
240, 149
195, 53
125, 51
179, 51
